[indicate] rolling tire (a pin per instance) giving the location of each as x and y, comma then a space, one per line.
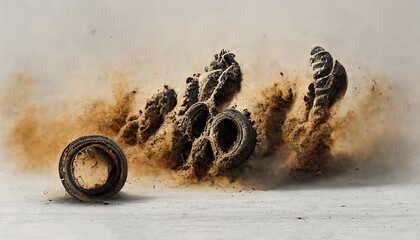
232, 138
195, 120
104, 151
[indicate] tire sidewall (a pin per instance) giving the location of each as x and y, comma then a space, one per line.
118, 158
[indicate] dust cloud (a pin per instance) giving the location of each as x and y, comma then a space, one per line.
362, 135
364, 138
37, 135
84, 68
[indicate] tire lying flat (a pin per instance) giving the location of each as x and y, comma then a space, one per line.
93, 167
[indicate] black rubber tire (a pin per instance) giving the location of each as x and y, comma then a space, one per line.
195, 120
242, 141
117, 176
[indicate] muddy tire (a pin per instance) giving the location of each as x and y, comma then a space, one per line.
232, 138
195, 120
92, 167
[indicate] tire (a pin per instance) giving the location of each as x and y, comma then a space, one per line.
195, 120
106, 156
232, 138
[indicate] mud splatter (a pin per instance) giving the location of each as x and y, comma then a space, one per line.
269, 115
360, 130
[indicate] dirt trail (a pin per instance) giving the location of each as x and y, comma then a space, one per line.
37, 139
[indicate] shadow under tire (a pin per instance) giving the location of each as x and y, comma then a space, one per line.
103, 159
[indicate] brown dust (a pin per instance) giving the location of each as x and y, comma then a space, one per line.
357, 131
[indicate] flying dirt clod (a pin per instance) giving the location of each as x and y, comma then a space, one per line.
191, 94
140, 127
220, 82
